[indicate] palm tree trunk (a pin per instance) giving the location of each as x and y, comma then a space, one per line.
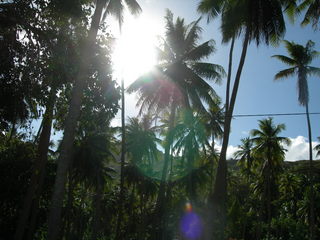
38, 174
97, 200
123, 142
229, 74
54, 218
159, 210
219, 197
71, 186
311, 217
269, 196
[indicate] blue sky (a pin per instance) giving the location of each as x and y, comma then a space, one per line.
258, 93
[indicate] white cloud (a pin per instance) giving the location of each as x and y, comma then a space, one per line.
231, 150
299, 149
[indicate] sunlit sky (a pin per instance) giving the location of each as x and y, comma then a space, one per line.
258, 93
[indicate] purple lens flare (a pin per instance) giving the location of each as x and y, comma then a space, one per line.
191, 226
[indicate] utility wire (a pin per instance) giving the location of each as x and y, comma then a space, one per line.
266, 115
273, 114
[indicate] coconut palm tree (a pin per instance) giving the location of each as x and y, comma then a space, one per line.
244, 154
299, 59
241, 18
269, 149
189, 135
178, 81
116, 8
214, 120
142, 141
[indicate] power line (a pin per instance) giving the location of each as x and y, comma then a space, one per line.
274, 114
266, 115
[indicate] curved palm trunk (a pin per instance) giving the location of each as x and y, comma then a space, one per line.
311, 217
38, 174
123, 142
54, 218
217, 201
159, 210
229, 74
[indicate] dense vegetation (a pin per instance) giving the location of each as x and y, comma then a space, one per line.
160, 175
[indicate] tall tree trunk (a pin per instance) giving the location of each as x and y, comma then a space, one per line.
269, 194
54, 218
96, 225
218, 199
229, 74
311, 217
123, 152
38, 174
159, 209
67, 224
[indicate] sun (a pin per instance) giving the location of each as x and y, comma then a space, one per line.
134, 52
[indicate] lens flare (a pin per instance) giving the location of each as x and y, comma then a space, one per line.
190, 224
188, 207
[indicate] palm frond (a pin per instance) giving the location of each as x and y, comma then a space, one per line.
285, 73
115, 8
312, 14
209, 71
210, 8
193, 35
134, 7
291, 9
200, 52
314, 71
286, 60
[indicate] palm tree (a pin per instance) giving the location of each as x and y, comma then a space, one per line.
242, 18
178, 79
244, 154
269, 148
189, 135
214, 121
317, 148
114, 7
142, 141
299, 59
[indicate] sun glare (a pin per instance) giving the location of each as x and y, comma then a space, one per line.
134, 52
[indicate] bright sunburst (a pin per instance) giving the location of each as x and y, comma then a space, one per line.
134, 52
